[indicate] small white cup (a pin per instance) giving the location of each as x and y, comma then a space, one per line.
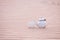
31, 24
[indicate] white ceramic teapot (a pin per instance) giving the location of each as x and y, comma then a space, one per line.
41, 22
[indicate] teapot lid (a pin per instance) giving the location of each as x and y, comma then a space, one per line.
42, 18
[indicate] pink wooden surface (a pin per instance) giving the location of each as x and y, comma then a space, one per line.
14, 15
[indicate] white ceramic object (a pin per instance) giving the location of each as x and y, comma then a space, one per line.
31, 24
41, 22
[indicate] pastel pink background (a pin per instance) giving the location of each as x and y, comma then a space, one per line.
14, 15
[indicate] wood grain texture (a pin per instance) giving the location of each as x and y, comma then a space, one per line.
14, 15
